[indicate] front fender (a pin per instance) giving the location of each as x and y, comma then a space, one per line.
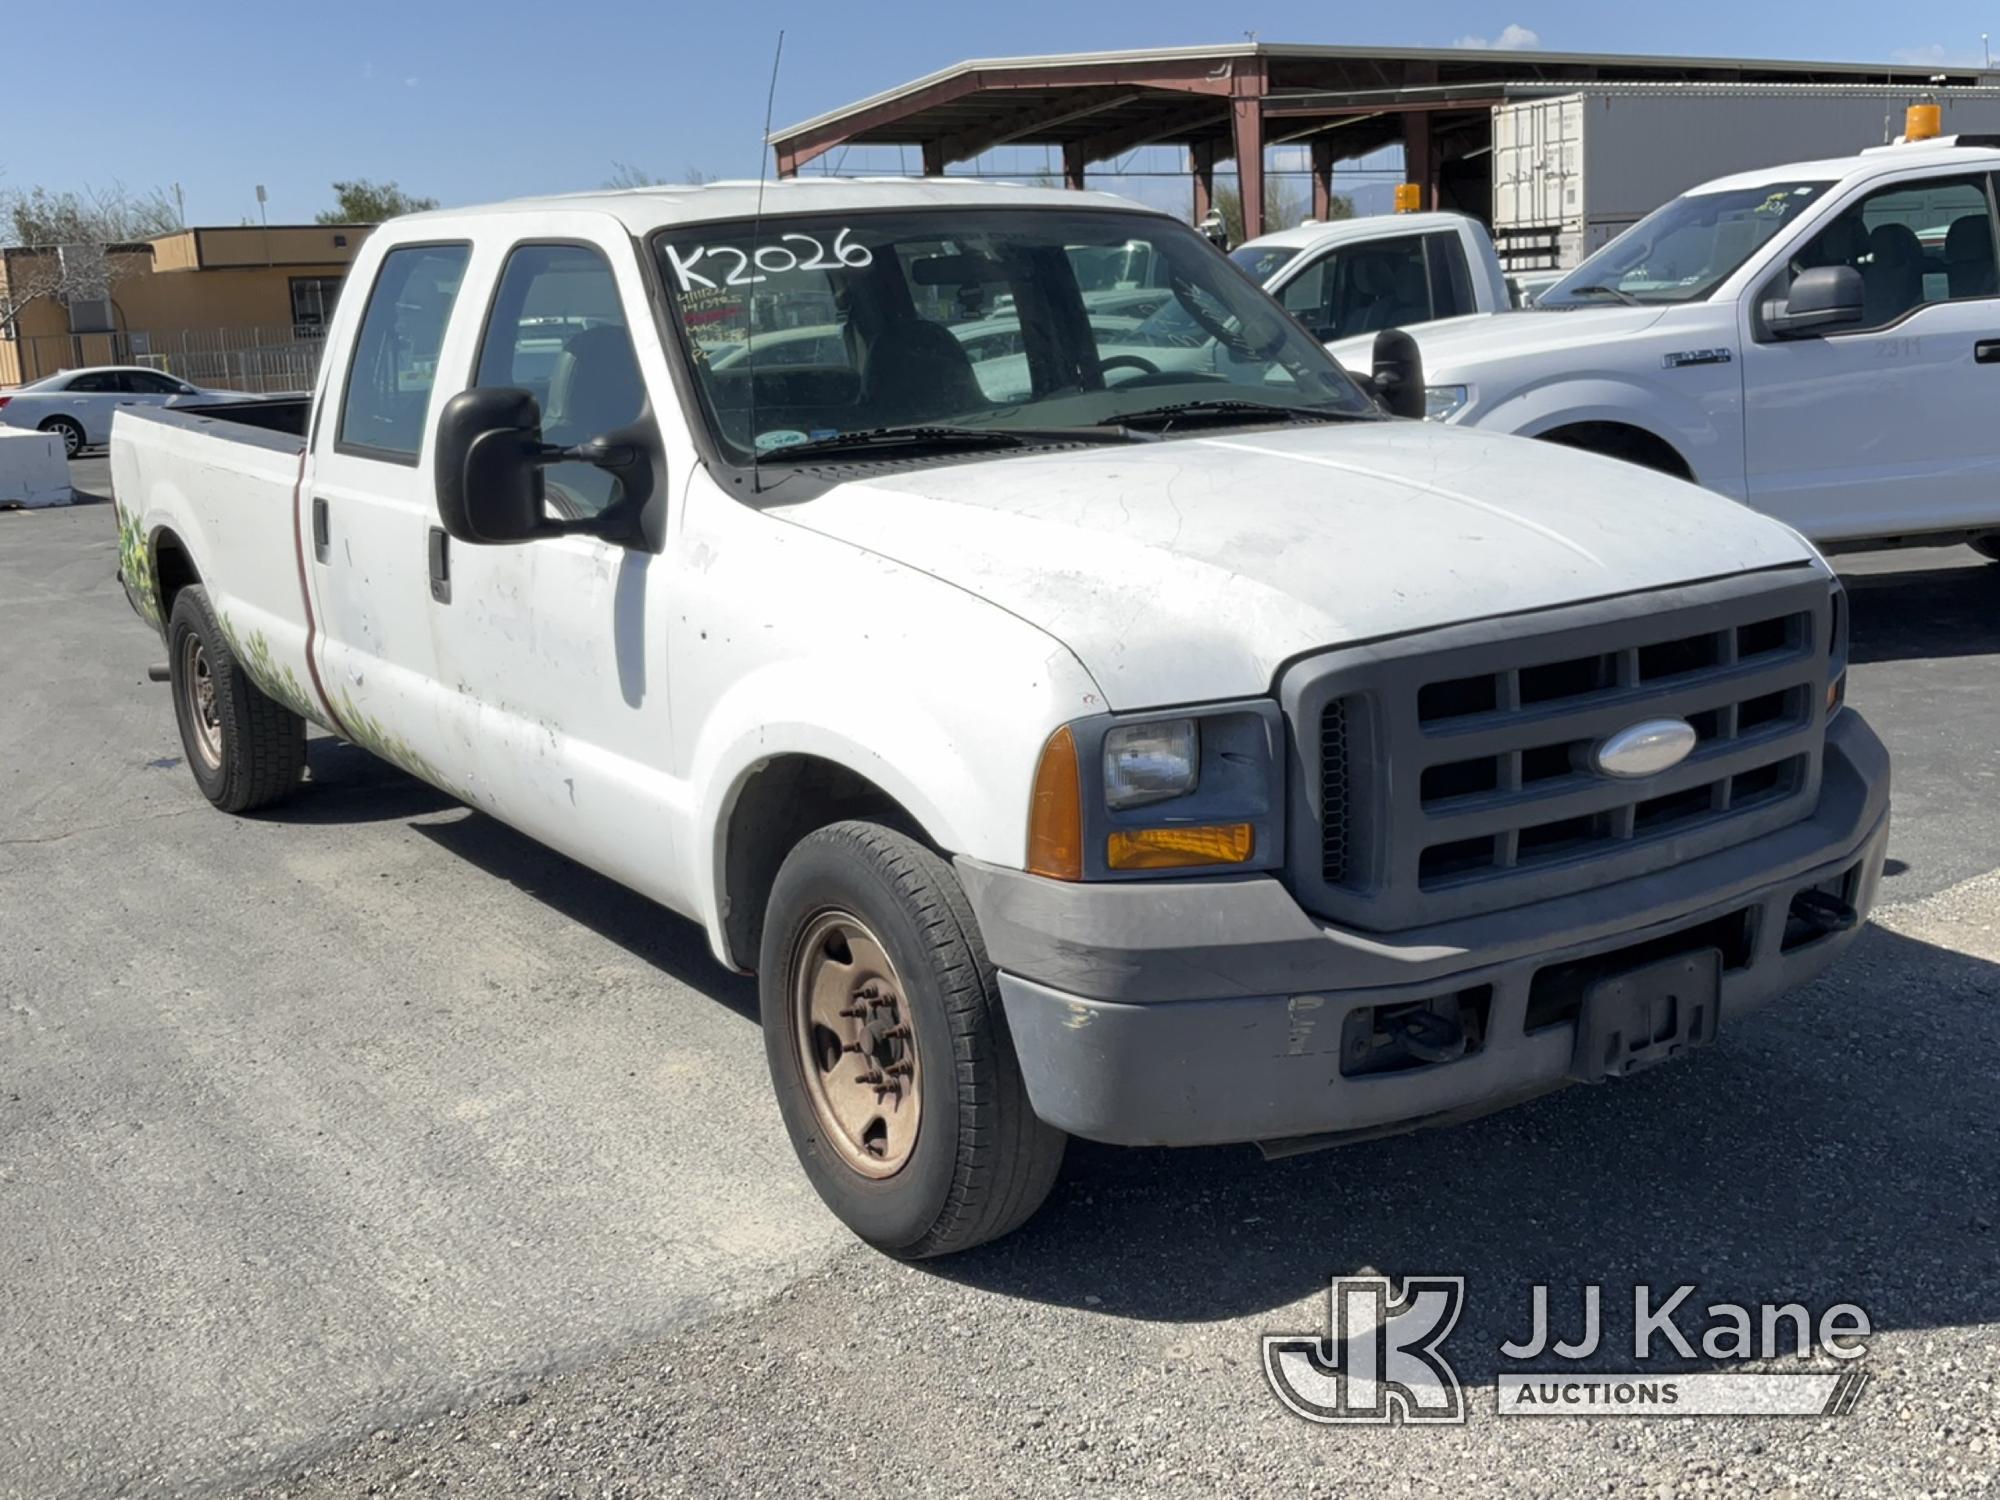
1704, 426
967, 790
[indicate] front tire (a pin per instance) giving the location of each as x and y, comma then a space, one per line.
889, 1048
70, 433
246, 750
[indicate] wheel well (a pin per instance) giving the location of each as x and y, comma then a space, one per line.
1622, 440
783, 801
173, 570
59, 419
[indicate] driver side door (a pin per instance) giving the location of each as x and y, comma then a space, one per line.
1884, 426
554, 649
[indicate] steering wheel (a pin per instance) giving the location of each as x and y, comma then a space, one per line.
1127, 362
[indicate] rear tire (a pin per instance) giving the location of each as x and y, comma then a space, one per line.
875, 925
69, 431
246, 750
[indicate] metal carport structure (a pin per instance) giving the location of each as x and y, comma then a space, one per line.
1235, 101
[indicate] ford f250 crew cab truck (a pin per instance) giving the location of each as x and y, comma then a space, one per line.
1153, 755
1819, 340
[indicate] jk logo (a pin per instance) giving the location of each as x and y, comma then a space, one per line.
1378, 1355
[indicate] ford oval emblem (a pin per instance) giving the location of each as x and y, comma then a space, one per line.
1644, 749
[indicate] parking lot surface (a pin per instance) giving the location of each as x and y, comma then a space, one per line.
365, 1144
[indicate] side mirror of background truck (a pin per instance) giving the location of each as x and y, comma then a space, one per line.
1824, 297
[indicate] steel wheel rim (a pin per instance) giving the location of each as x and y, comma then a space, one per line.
198, 694
856, 1046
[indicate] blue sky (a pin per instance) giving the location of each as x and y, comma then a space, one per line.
467, 103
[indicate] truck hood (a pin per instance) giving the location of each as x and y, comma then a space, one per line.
1192, 569
1451, 346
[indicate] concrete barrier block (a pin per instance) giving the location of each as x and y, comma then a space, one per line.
33, 470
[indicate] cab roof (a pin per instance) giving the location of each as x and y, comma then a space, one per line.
642, 210
1874, 162
1366, 227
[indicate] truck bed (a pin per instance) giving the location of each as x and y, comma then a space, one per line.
219, 484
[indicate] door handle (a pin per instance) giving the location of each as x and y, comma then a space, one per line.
1986, 352
440, 565
322, 530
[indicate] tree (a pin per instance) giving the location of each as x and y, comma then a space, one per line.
89, 216
1282, 208
365, 202
60, 241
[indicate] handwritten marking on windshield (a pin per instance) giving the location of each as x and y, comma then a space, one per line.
811, 254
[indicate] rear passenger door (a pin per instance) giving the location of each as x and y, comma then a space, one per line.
369, 508
1885, 426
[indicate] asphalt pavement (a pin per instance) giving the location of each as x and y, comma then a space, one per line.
366, 1147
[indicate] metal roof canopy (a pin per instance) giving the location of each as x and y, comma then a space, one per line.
1234, 100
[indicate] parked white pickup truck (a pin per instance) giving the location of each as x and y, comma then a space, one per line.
1820, 340
1351, 278
1187, 756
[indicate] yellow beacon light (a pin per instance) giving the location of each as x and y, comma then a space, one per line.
1923, 122
1409, 197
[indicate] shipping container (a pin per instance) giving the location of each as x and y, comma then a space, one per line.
1573, 170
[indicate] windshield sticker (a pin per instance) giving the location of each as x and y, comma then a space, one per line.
732, 265
781, 437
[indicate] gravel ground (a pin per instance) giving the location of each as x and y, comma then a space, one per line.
372, 1149
1826, 1153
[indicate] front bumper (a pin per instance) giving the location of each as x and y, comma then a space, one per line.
1209, 1011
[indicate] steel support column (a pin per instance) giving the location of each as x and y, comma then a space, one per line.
1201, 162
1246, 130
1322, 173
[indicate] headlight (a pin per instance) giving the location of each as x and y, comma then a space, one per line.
1150, 762
1442, 402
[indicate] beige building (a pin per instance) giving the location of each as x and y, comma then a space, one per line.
240, 307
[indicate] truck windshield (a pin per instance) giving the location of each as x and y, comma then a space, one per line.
810, 332
1680, 252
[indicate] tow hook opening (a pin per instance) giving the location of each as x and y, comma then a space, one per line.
1414, 1034
1820, 911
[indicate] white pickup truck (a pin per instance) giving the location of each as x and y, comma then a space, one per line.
1351, 278
1159, 756
1820, 340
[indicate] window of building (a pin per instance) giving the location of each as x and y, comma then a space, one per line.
313, 298
388, 394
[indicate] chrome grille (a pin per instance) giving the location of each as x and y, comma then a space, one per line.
1452, 768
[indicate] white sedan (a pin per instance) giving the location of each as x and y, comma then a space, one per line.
78, 404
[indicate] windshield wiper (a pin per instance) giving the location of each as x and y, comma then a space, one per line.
1228, 410
1594, 290
946, 436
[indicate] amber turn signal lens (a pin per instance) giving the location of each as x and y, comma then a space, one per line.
1179, 848
1836, 694
1055, 812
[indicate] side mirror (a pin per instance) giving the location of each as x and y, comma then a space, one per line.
1824, 297
1398, 378
487, 470
489, 483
